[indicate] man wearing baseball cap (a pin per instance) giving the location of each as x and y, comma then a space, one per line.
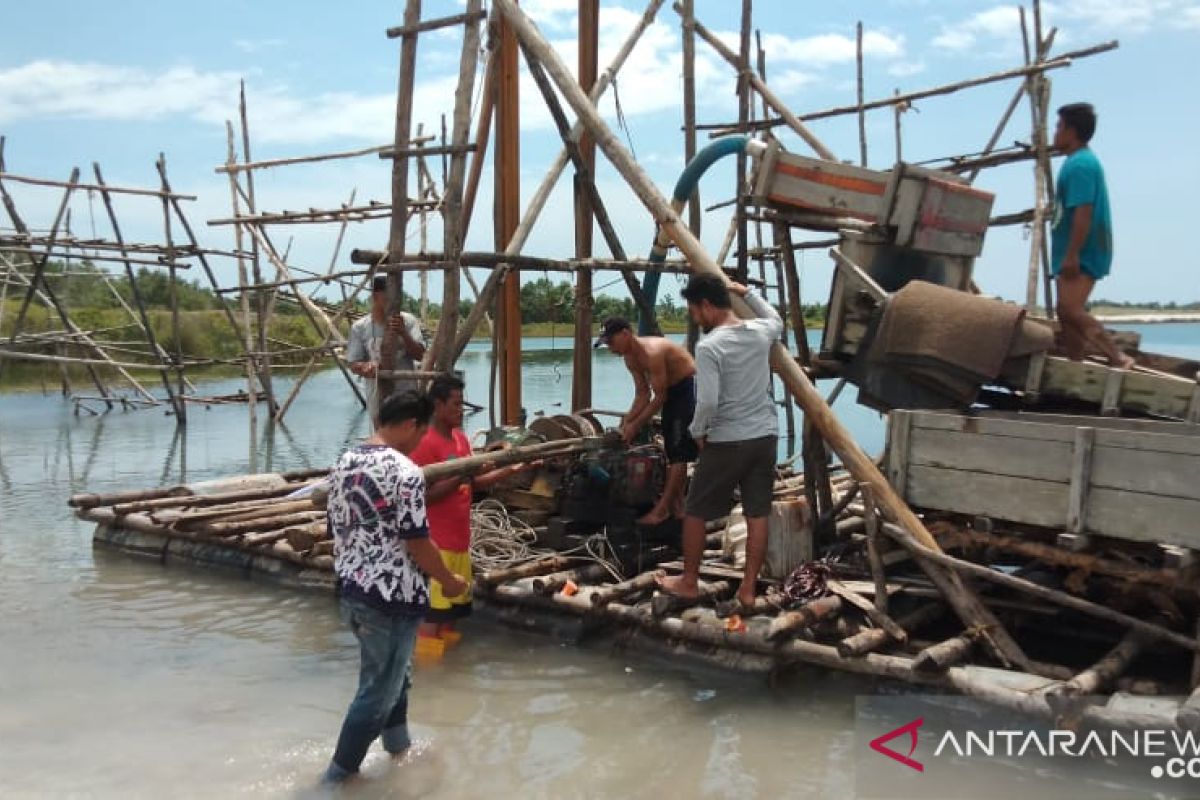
663, 379
366, 337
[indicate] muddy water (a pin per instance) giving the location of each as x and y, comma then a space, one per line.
123, 678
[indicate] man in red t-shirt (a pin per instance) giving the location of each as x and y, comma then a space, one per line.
448, 503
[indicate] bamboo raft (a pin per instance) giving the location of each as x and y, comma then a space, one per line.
1115, 621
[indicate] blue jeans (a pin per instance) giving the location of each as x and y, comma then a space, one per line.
381, 705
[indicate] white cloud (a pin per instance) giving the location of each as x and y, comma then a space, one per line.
993, 24
997, 29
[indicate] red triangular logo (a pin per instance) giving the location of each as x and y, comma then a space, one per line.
911, 729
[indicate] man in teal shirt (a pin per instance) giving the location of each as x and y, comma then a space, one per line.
1081, 238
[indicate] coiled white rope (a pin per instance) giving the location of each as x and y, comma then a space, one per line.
500, 540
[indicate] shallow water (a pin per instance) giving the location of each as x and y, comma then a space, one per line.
124, 678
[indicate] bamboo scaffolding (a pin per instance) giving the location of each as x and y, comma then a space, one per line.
1058, 62
88, 187
363, 213
538, 202
442, 357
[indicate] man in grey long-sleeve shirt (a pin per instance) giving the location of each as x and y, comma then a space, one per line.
735, 425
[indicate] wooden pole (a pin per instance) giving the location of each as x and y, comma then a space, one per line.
857, 462
452, 206
780, 107
176, 328
581, 373
538, 202
595, 201
739, 185
507, 218
247, 329
862, 114
689, 135
399, 221
265, 300
134, 291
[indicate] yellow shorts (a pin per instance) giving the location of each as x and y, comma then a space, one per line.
442, 608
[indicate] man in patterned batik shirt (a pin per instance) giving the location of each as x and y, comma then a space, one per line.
383, 558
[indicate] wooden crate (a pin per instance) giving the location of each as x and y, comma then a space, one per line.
924, 210
1128, 479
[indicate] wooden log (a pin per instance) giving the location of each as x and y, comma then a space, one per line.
269, 524
1188, 716
875, 550
1101, 674
880, 618
499, 458
789, 623
943, 655
856, 460
271, 511
259, 539
549, 584
322, 548
664, 603
322, 561
306, 538
200, 500
957, 535
541, 566
873, 638
1052, 595
793, 650
91, 500
619, 591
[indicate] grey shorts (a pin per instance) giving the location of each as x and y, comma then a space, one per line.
724, 466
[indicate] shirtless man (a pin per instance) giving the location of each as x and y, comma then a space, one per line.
663, 378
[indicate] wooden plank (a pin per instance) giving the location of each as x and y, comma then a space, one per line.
1081, 476
1193, 415
1140, 391
996, 455
1143, 425
1033, 379
1185, 444
899, 432
1110, 402
1144, 518
1147, 473
1025, 428
1036, 502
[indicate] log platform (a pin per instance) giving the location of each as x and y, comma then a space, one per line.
1126, 650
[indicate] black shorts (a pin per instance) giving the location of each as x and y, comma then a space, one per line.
724, 466
677, 413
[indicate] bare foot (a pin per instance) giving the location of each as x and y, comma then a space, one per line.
655, 516
746, 600
678, 586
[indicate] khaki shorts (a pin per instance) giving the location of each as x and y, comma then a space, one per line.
748, 466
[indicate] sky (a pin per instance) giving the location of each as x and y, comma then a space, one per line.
118, 83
